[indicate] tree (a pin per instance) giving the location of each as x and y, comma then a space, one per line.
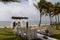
50, 10
6, 1
58, 10
42, 6
48, 6
56, 13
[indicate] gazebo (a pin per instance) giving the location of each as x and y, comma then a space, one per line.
20, 18
13, 17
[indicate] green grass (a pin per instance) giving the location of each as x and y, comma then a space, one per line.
56, 34
7, 34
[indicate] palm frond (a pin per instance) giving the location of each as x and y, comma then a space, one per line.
35, 5
10, 0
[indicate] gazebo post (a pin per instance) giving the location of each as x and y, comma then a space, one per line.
19, 18
27, 24
14, 23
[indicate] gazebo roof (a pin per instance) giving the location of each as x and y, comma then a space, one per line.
13, 17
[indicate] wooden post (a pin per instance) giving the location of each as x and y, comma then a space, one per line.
27, 24
27, 30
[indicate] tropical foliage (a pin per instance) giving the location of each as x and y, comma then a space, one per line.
10, 1
52, 10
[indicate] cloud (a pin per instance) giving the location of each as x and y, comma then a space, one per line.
53, 1
16, 9
48, 0
20, 9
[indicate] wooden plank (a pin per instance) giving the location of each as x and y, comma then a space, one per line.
13, 17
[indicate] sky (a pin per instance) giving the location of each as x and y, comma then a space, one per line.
16, 9
53, 1
24, 8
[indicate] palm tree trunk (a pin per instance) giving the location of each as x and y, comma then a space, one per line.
40, 20
58, 18
55, 19
56, 22
50, 19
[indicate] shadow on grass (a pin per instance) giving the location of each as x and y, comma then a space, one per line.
13, 38
37, 39
18, 38
57, 36
7, 34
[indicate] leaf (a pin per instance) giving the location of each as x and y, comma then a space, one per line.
10, 1
36, 6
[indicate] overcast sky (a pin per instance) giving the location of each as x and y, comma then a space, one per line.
25, 8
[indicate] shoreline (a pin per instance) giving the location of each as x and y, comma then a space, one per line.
10, 26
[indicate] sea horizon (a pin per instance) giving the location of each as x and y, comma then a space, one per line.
8, 24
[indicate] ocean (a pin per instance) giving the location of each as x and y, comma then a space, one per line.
8, 24
5, 24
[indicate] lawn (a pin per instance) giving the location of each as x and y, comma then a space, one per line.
56, 34
7, 34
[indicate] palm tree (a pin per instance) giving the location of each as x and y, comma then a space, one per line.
6, 1
42, 8
50, 10
58, 10
56, 13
